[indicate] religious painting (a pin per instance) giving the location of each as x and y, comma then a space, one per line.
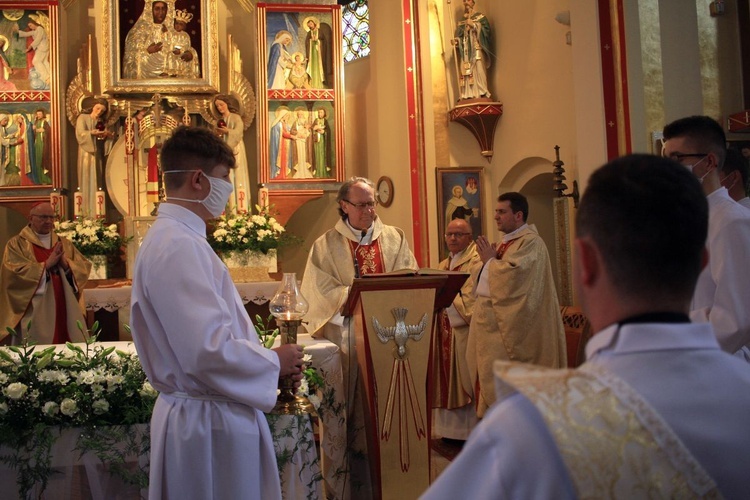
300, 95
460, 194
29, 143
168, 46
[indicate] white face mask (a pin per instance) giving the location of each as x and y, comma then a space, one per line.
691, 167
218, 194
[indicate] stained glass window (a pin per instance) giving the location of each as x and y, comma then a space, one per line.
355, 21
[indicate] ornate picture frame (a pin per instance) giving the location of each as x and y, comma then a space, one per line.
460, 193
300, 96
29, 101
130, 67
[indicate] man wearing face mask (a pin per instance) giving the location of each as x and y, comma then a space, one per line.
699, 143
734, 176
197, 345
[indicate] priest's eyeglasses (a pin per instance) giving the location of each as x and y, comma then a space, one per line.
457, 235
46, 217
369, 205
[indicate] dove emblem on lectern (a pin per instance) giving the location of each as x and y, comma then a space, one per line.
402, 394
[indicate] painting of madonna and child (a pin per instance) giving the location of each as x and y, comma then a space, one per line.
300, 51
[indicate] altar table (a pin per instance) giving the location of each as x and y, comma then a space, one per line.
108, 302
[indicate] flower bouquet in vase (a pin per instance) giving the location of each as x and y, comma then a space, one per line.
94, 239
247, 243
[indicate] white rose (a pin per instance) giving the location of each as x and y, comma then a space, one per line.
3, 378
51, 408
68, 407
100, 406
147, 390
113, 228
16, 390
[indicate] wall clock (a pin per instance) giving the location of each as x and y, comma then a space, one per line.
384, 191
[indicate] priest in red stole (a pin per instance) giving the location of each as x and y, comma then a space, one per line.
41, 283
359, 244
331, 264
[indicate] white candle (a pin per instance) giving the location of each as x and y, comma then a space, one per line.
242, 200
100, 203
56, 201
78, 203
263, 197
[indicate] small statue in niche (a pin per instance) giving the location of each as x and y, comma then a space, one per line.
472, 51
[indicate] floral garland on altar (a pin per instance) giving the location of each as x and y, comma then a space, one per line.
103, 392
82, 386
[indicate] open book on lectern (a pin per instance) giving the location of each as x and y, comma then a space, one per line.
444, 294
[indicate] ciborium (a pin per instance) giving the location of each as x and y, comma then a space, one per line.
288, 307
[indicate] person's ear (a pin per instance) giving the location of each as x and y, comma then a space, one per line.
588, 263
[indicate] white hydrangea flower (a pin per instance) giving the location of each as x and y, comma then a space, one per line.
100, 406
51, 408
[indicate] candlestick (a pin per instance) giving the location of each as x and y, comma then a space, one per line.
289, 306
77, 203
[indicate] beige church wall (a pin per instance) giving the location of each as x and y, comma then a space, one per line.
681, 61
532, 76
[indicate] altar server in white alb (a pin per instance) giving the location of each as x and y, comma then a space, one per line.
657, 410
198, 347
722, 295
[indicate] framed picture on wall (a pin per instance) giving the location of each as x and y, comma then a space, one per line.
300, 96
29, 142
460, 194
159, 46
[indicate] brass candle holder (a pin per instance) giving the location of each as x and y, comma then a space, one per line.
288, 307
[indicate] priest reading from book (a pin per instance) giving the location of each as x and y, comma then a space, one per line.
359, 244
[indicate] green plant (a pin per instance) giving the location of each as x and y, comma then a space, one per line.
91, 236
81, 386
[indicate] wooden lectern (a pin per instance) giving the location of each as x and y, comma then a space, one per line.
393, 318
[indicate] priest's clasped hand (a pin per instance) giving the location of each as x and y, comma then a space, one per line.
485, 249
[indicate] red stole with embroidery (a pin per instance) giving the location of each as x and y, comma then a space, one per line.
503, 247
369, 257
41, 254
